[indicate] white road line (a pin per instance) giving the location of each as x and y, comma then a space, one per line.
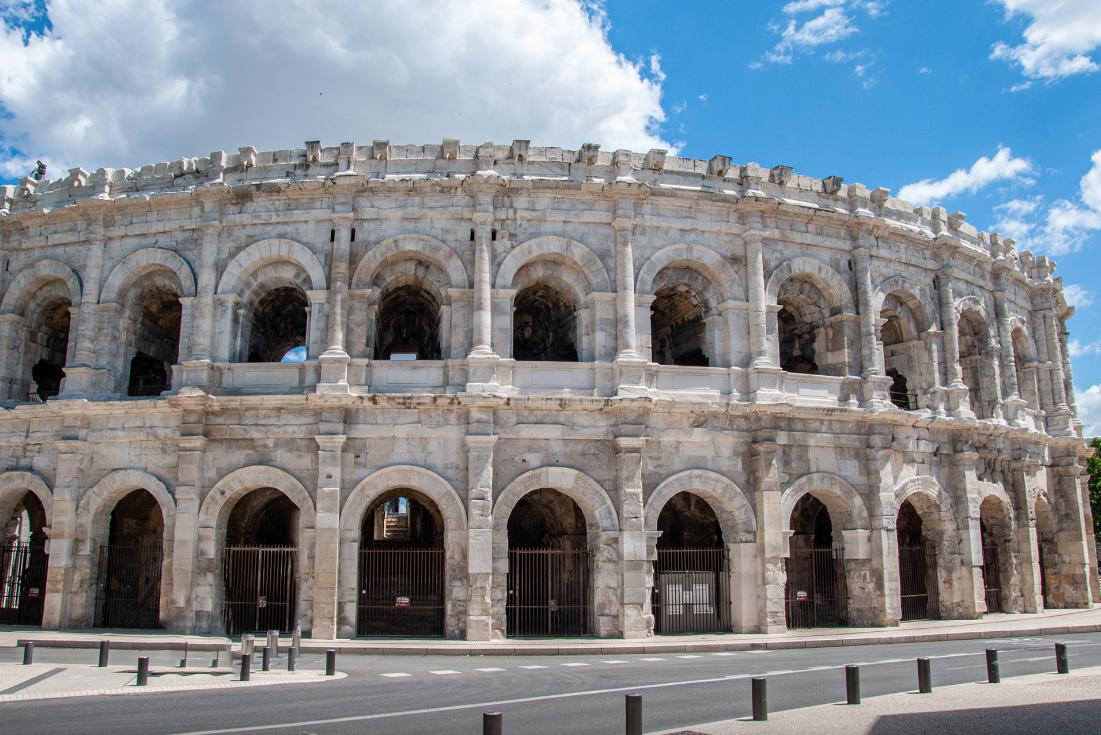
443, 672
689, 655
490, 668
724, 653
533, 667
395, 675
613, 661
758, 650
779, 672
575, 663
652, 658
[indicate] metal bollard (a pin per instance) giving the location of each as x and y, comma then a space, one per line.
292, 659
634, 714
296, 638
491, 723
104, 653
265, 660
925, 676
1062, 663
183, 661
246, 666
330, 662
993, 674
247, 643
760, 698
28, 653
273, 642
852, 684
143, 670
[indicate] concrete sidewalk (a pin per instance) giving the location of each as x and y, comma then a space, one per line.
1001, 625
1040, 703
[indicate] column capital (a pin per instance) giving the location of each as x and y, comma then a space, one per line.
331, 442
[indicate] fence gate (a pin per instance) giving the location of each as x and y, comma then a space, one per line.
917, 572
691, 591
400, 592
815, 595
128, 591
990, 578
22, 583
260, 588
548, 593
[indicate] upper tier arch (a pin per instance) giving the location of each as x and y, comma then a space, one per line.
828, 281
707, 262
410, 246
554, 248
258, 254
142, 262
24, 286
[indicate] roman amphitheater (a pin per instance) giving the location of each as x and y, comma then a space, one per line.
500, 390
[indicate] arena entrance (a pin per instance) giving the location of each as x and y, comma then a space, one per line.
548, 567
691, 591
815, 594
261, 564
23, 563
996, 531
128, 593
917, 567
401, 568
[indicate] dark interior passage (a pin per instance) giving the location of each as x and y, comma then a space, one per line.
48, 344
816, 592
278, 324
154, 342
677, 327
544, 325
691, 577
261, 563
917, 566
23, 563
130, 562
408, 325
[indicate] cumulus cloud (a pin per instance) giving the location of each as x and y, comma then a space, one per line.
831, 22
1070, 225
1089, 409
1077, 296
1003, 166
127, 82
1058, 41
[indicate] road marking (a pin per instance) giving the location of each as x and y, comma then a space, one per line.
1004, 661
779, 672
533, 667
613, 661
758, 650
443, 672
652, 658
575, 663
395, 675
490, 668
690, 655
724, 653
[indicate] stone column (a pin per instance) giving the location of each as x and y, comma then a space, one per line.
185, 549
636, 617
772, 537
627, 336
1064, 349
970, 598
959, 406
482, 360
196, 364
334, 361
316, 321
1059, 415
479, 556
871, 557
877, 385
79, 366
227, 330
62, 544
327, 535
11, 358
758, 317
1005, 336
1072, 580
1023, 475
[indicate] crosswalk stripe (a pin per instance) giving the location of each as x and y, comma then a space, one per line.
689, 655
490, 668
533, 667
575, 664
443, 672
395, 675
653, 658
613, 661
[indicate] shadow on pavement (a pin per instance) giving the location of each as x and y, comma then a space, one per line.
1065, 718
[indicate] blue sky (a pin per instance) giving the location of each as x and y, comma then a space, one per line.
993, 108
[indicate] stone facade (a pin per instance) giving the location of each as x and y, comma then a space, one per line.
746, 335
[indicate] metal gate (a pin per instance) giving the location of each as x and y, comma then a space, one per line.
917, 581
691, 591
548, 593
22, 583
815, 595
400, 592
128, 593
260, 588
990, 577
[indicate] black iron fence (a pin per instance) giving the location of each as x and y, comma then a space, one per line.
990, 577
260, 588
548, 593
816, 591
401, 592
22, 583
691, 591
128, 592
917, 577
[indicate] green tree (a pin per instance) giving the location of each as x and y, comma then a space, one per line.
1093, 464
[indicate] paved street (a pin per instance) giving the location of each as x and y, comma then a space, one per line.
562, 694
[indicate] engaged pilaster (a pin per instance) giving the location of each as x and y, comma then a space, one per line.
327, 538
79, 370
772, 538
636, 617
479, 610
334, 361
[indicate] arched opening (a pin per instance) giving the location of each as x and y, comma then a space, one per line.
548, 567
277, 324
23, 563
974, 363
808, 341
1047, 552
153, 331
997, 535
1026, 377
904, 353
47, 344
408, 325
691, 578
401, 567
917, 566
544, 325
816, 586
261, 562
129, 585
677, 327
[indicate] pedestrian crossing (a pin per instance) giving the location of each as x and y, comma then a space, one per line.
537, 667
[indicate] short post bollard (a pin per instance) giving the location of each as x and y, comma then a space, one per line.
273, 642
143, 670
760, 698
993, 674
330, 662
1062, 663
925, 676
247, 643
28, 653
246, 667
183, 661
634, 714
104, 653
491, 723
265, 658
292, 659
852, 684
296, 638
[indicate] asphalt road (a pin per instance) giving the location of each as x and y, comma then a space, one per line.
431, 695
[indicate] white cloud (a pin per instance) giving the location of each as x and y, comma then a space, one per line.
1070, 224
130, 82
1089, 409
1015, 218
924, 70
985, 171
831, 26
1077, 296
804, 6
1058, 41
1077, 349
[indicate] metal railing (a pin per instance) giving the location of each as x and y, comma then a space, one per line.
691, 591
816, 592
401, 592
260, 589
548, 593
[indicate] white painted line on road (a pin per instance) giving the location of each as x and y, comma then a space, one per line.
395, 675
758, 650
779, 672
652, 658
575, 663
613, 661
490, 668
533, 667
1004, 661
690, 655
444, 672
725, 653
